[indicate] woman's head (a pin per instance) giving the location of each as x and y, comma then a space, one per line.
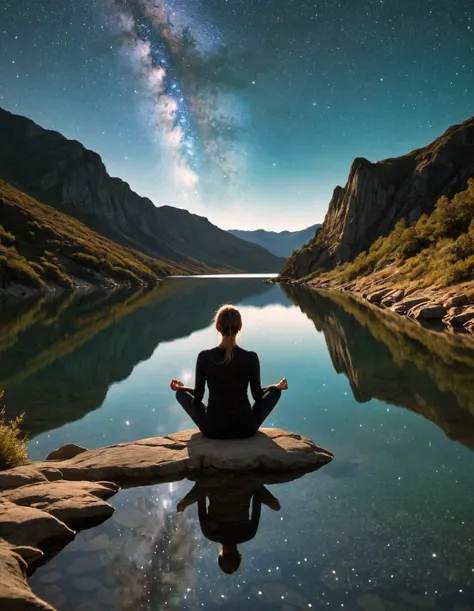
229, 559
228, 323
228, 320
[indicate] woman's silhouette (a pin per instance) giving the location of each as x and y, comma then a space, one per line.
228, 371
229, 515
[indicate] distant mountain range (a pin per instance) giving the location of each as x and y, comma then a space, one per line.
63, 174
281, 243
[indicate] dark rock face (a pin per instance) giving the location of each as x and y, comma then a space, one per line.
63, 174
377, 195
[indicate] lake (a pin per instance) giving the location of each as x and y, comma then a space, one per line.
387, 525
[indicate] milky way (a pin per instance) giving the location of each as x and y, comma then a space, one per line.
254, 113
184, 88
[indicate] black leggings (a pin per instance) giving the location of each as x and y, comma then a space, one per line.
260, 411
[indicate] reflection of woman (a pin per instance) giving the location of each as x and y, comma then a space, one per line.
228, 371
228, 519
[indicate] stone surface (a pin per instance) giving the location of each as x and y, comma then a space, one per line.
171, 458
70, 502
432, 311
461, 318
67, 451
15, 593
28, 474
31, 527
456, 300
377, 296
404, 306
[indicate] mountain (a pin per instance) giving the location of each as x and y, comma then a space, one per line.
63, 174
42, 248
377, 195
281, 243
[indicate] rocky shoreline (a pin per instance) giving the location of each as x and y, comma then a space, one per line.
449, 309
44, 504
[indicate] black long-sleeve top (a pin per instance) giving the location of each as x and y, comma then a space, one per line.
228, 406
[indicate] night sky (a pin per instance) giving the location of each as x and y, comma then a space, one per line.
246, 111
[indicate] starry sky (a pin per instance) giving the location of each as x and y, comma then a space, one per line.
246, 112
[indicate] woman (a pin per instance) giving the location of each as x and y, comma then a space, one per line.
228, 371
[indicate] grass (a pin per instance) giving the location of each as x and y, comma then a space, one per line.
437, 250
13, 444
41, 246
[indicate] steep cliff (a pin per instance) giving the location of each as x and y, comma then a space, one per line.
63, 174
377, 195
280, 243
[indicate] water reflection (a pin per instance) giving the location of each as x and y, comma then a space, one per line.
388, 358
229, 513
60, 355
147, 555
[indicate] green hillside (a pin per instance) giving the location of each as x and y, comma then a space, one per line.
41, 247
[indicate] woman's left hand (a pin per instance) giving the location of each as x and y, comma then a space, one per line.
282, 384
176, 385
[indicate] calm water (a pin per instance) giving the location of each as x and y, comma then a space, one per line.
388, 525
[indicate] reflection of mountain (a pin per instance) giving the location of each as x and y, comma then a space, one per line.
393, 360
272, 296
59, 356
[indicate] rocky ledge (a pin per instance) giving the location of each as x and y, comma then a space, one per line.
448, 308
44, 504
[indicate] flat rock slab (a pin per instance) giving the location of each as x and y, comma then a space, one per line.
171, 458
161, 459
70, 502
28, 526
28, 474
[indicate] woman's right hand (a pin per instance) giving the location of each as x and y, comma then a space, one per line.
282, 384
176, 385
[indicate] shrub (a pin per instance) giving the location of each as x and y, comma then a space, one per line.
20, 271
54, 273
13, 445
83, 258
5, 236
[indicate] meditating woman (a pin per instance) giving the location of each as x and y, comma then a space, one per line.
228, 371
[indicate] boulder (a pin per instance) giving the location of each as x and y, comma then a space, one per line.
28, 474
393, 297
67, 451
456, 300
15, 593
377, 296
70, 502
432, 311
28, 526
404, 306
162, 459
461, 318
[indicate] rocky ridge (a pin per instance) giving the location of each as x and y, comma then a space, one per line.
377, 195
44, 504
